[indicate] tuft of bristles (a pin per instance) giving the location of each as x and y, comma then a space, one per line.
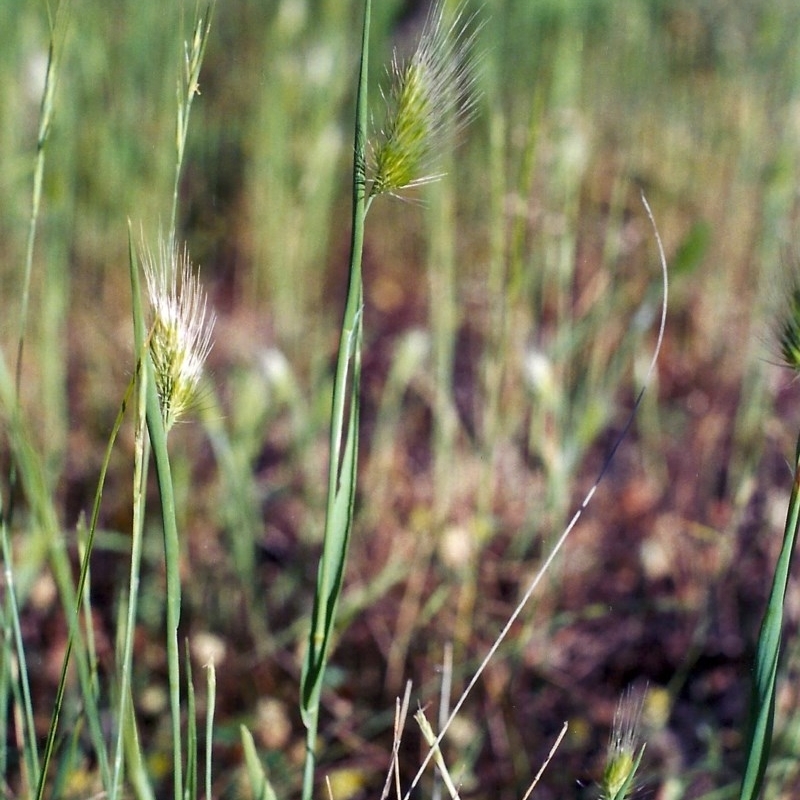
789, 332
430, 96
623, 754
181, 327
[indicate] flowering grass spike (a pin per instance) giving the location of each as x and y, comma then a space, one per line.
622, 758
181, 326
430, 96
789, 334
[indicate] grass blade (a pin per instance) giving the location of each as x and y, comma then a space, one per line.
12, 621
191, 734
343, 444
158, 440
762, 712
260, 786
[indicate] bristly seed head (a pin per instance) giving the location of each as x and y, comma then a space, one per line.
431, 95
789, 332
622, 758
181, 326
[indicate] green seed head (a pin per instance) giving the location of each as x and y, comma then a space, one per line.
181, 326
622, 758
617, 772
789, 332
429, 96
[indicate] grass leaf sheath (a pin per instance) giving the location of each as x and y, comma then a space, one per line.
342, 467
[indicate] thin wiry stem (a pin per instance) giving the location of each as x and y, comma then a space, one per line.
572, 523
188, 87
343, 464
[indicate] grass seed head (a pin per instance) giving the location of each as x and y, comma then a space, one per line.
789, 330
430, 96
181, 327
623, 754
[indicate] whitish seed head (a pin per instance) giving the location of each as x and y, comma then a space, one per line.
623, 753
429, 96
181, 326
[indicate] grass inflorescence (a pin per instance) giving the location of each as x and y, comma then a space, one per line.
180, 329
492, 345
624, 752
432, 96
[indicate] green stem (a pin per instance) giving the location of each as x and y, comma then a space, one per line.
13, 628
188, 87
141, 452
343, 445
158, 440
765, 674
57, 34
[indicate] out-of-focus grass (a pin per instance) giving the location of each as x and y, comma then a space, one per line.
552, 303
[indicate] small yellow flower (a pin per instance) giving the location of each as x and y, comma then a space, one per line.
181, 326
622, 758
429, 96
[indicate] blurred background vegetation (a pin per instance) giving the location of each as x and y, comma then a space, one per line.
509, 318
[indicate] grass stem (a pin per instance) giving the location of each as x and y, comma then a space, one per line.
343, 444
762, 714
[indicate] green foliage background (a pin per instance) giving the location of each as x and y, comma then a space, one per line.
530, 277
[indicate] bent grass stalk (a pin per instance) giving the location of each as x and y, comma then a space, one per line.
568, 529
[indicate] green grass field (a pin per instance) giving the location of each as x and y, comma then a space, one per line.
510, 311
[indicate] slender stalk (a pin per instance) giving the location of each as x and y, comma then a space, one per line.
188, 87
58, 28
75, 600
29, 749
546, 565
191, 733
158, 440
141, 452
343, 445
79, 595
136, 771
765, 672
86, 601
10, 694
50, 543
32, 472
